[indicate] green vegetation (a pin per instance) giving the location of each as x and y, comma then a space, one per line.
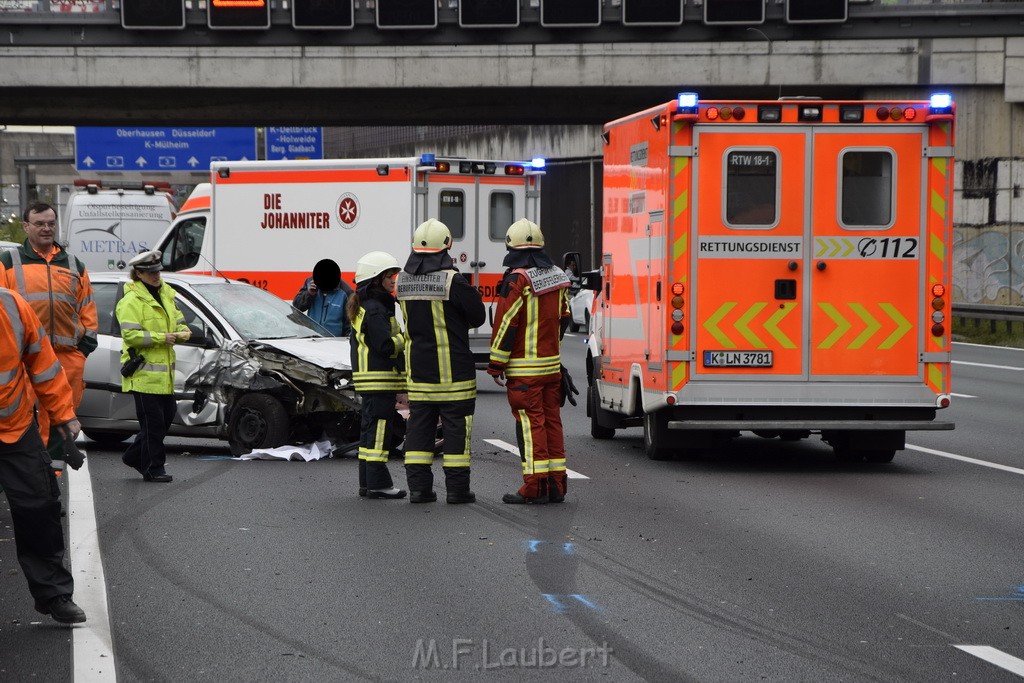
11, 230
991, 332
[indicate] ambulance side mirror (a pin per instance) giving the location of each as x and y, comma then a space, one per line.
591, 280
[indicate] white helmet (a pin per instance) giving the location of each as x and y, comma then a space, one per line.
373, 264
431, 236
524, 234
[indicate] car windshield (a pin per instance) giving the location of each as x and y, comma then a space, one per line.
258, 314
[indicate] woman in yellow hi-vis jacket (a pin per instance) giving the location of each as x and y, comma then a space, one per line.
151, 324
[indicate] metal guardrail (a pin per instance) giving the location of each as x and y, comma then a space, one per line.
988, 312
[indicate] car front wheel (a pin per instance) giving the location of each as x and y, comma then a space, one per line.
257, 421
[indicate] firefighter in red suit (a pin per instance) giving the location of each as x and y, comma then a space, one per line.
531, 317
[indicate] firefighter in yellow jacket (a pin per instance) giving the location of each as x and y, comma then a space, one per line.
28, 369
151, 324
57, 287
531, 317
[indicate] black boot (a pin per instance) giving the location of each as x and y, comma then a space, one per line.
456, 480
362, 477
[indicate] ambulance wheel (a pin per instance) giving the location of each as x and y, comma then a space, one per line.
597, 430
654, 438
106, 439
257, 421
880, 456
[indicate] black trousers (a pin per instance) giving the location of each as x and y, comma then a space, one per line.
456, 419
155, 413
380, 435
34, 496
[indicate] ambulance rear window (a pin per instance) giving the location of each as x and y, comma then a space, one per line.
751, 187
500, 214
452, 212
866, 189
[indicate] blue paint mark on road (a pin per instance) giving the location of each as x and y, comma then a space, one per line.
1018, 596
215, 457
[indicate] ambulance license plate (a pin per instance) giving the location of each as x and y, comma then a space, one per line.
738, 359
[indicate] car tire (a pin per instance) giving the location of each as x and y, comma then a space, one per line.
106, 440
597, 430
257, 421
574, 327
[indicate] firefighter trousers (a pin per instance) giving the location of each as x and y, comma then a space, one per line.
73, 362
457, 429
380, 436
536, 405
27, 478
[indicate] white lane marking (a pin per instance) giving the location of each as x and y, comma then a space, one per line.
953, 456
994, 656
988, 346
962, 395
515, 449
93, 649
989, 365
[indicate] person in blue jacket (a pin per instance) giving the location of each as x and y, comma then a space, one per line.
323, 297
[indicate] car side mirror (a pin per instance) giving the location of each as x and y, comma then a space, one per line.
591, 280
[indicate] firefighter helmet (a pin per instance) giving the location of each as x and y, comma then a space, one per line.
524, 234
373, 264
431, 237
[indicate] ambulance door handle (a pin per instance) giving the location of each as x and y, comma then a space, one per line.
821, 265
792, 265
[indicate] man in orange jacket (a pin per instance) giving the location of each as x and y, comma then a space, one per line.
531, 317
57, 287
29, 369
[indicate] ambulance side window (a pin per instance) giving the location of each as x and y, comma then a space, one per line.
751, 188
500, 214
183, 249
452, 212
867, 189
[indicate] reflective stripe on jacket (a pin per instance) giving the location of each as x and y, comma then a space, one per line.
441, 364
144, 324
526, 338
27, 364
377, 344
59, 292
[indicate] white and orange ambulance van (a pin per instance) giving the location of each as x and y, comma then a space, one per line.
781, 267
269, 222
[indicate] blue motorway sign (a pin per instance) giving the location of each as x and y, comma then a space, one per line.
160, 149
294, 143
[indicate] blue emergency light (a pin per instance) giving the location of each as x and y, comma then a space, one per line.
687, 102
427, 158
941, 103
538, 163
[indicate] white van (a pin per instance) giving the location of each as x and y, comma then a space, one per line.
104, 225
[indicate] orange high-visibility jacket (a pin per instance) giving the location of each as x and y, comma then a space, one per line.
27, 362
526, 336
59, 292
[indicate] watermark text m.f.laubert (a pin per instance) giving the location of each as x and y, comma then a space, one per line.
469, 654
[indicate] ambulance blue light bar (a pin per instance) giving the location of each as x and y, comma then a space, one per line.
687, 102
427, 158
538, 163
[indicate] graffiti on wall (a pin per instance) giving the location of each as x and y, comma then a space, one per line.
988, 233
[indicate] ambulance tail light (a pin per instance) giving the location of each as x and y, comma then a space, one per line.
442, 166
677, 304
938, 305
514, 169
943, 401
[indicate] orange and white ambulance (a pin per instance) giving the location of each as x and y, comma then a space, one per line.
782, 267
269, 222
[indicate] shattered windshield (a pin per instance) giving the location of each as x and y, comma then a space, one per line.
258, 314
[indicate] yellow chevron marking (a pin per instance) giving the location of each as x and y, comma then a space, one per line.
869, 320
836, 246
680, 204
842, 325
821, 247
850, 246
903, 326
939, 204
711, 324
771, 326
679, 375
743, 325
937, 247
679, 247
935, 378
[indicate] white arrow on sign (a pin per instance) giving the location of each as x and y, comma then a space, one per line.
88, 161
141, 161
193, 162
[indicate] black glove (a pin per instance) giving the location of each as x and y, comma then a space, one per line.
72, 456
568, 388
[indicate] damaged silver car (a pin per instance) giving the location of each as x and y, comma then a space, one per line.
256, 372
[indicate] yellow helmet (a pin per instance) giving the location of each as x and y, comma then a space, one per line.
431, 237
373, 264
524, 234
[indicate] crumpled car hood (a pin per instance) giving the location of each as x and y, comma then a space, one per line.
327, 352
